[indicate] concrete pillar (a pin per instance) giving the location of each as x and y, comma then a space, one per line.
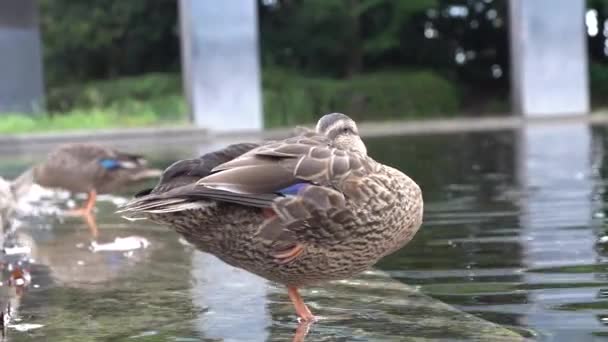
21, 82
220, 63
548, 57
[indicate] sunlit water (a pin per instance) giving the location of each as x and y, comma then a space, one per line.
513, 234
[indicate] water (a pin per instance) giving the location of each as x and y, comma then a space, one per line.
513, 234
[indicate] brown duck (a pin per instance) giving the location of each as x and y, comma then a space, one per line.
300, 211
92, 169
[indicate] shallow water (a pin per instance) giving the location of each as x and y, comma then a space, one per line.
513, 232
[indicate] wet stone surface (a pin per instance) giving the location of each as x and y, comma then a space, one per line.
167, 291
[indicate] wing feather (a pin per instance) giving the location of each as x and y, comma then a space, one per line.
275, 165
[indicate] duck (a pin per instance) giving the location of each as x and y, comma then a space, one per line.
301, 211
8, 202
10, 194
92, 169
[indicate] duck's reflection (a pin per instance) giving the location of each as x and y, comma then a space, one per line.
75, 260
235, 301
35, 258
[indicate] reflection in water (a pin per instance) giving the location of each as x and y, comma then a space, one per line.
75, 260
557, 167
235, 301
55, 259
79, 254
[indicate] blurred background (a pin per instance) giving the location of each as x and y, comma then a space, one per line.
516, 215
119, 64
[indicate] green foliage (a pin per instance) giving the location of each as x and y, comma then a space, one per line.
159, 93
336, 47
397, 94
389, 17
85, 40
334, 37
320, 39
289, 99
152, 99
598, 79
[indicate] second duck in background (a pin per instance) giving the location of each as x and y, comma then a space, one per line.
92, 169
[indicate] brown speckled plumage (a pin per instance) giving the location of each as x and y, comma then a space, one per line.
351, 211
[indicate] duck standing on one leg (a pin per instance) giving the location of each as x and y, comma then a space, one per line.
299, 211
92, 169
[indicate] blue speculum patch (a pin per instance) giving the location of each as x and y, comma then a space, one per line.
293, 189
109, 164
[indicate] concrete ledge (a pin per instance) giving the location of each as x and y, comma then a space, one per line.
104, 134
193, 134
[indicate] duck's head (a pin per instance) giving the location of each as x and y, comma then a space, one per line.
343, 131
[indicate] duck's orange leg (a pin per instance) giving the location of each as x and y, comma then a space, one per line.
91, 200
301, 309
89, 219
88, 206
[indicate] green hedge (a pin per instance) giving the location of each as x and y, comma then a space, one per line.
378, 96
289, 99
157, 94
598, 79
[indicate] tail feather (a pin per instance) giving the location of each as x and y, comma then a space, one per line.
146, 174
191, 197
159, 206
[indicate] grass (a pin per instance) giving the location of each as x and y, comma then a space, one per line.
73, 120
126, 114
289, 98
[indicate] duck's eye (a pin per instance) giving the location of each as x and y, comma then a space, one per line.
345, 130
